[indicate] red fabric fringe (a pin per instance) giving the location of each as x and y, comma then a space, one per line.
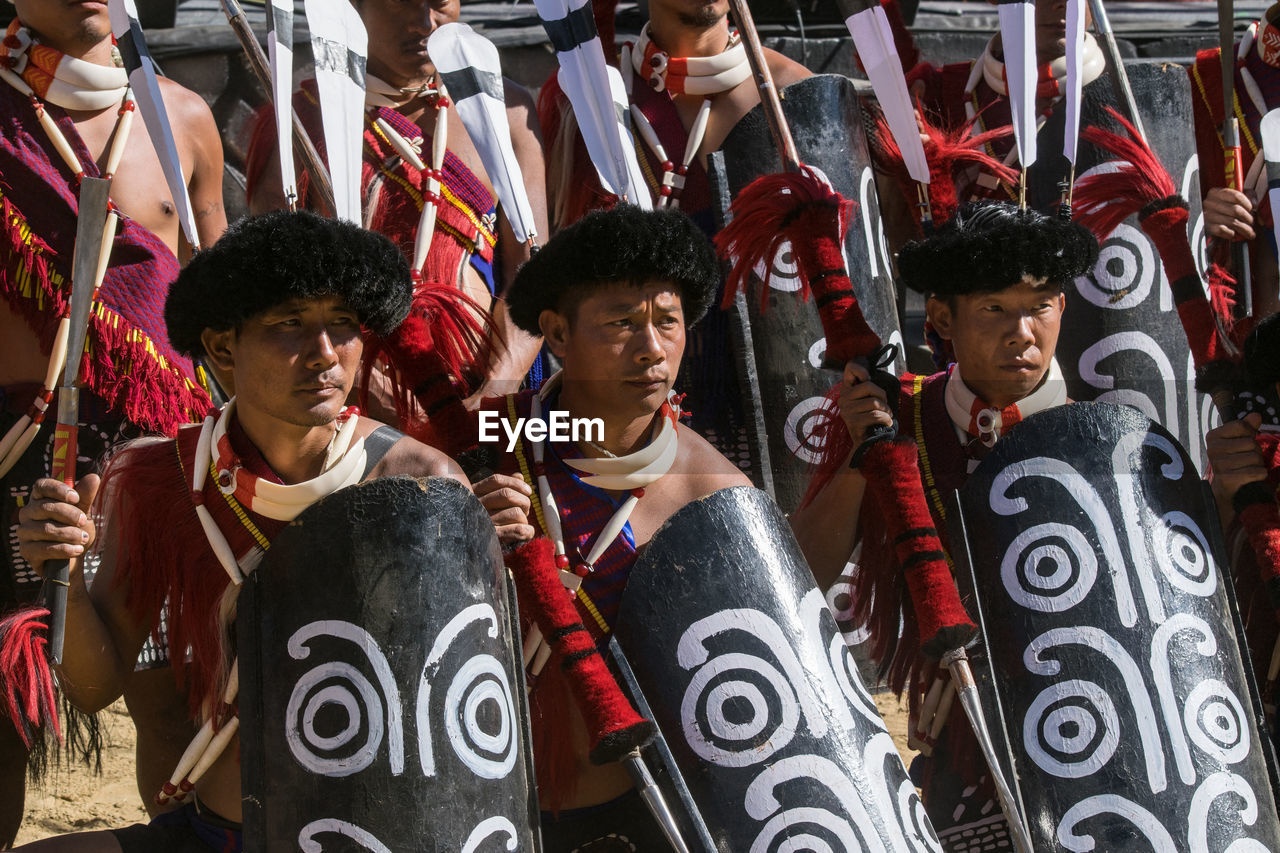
28, 686
121, 365
149, 491
802, 209
946, 150
435, 357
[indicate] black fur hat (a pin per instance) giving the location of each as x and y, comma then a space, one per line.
624, 244
989, 246
263, 261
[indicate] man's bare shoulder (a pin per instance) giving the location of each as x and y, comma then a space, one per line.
412, 458
517, 96
702, 468
785, 71
188, 112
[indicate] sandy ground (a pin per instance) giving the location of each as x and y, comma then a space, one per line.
76, 800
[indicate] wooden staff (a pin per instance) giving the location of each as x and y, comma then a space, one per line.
778, 126
303, 147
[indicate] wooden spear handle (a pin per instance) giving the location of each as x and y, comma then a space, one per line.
303, 147
778, 126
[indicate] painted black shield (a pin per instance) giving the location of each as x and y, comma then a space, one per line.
1130, 715
786, 341
380, 700
1121, 339
756, 692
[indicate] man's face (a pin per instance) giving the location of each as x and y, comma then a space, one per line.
1051, 29
698, 14
1004, 341
68, 25
621, 350
295, 362
398, 33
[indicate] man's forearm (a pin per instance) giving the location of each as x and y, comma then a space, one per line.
92, 672
827, 528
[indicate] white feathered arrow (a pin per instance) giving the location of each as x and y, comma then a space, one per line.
1018, 37
280, 52
340, 45
1075, 89
595, 91
146, 90
873, 39
469, 67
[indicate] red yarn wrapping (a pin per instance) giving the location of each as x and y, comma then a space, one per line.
894, 487
434, 359
945, 150
800, 208
1167, 228
29, 697
613, 725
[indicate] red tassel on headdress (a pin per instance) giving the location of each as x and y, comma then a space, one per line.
946, 150
613, 725
29, 693
435, 358
803, 209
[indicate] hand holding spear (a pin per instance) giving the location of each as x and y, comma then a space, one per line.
799, 207
95, 221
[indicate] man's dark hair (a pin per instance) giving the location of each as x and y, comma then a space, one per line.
264, 261
622, 245
989, 246
1262, 354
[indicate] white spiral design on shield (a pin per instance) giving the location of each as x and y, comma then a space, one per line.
479, 711
1137, 699
781, 272
1195, 228
1071, 729
740, 708
1202, 801
1206, 645
798, 430
915, 820
1183, 554
840, 600
1049, 568
342, 692
1141, 819
1163, 376
307, 835
873, 224
1216, 721
808, 828
1084, 494
488, 828
479, 684
1125, 272
751, 683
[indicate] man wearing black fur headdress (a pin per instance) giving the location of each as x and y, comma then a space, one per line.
278, 307
994, 278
